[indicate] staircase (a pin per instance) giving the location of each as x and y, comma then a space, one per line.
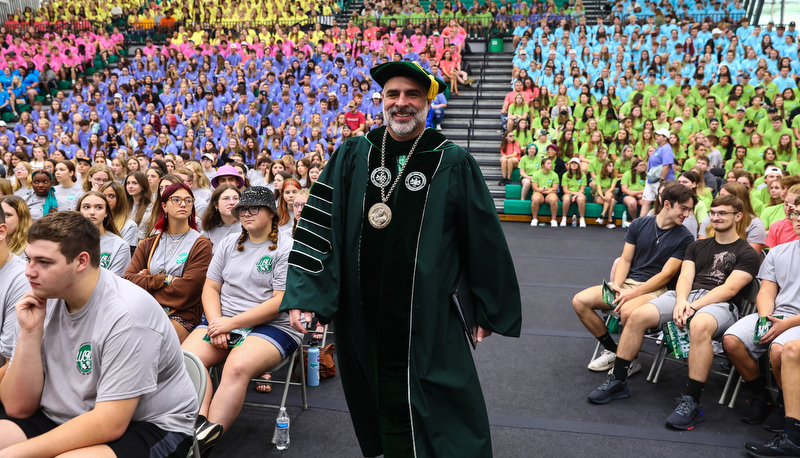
473, 120
594, 9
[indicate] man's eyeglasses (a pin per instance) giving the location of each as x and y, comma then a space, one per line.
175, 200
721, 214
794, 215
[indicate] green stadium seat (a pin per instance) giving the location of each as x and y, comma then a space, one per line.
39, 98
517, 207
515, 176
64, 84
24, 107
7, 116
513, 191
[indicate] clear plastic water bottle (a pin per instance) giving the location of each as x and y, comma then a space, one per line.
574, 221
313, 365
282, 436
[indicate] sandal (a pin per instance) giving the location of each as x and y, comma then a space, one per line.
264, 387
318, 332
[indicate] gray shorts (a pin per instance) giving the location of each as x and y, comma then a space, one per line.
745, 328
721, 311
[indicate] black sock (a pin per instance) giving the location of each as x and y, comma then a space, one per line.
758, 388
621, 369
695, 389
793, 429
608, 342
779, 400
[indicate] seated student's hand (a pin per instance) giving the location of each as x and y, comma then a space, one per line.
219, 341
778, 327
623, 296
298, 322
31, 311
682, 312
220, 325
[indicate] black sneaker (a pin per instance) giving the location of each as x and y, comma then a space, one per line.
501, 182
776, 421
207, 436
686, 415
610, 389
200, 421
757, 410
780, 445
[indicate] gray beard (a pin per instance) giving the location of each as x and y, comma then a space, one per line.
419, 118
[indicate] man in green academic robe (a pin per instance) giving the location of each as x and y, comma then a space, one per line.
385, 274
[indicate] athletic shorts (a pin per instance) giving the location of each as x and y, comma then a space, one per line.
277, 337
140, 439
745, 328
651, 191
630, 283
723, 312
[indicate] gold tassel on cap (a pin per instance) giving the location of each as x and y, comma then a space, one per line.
433, 89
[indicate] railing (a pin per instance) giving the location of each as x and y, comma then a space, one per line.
10, 6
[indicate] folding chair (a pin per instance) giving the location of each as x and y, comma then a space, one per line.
750, 302
197, 373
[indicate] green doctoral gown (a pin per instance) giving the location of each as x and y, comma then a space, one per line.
407, 370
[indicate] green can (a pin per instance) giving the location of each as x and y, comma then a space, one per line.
762, 327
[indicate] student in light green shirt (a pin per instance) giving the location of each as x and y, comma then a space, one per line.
794, 166
633, 182
573, 184
741, 154
529, 164
545, 190
596, 163
604, 192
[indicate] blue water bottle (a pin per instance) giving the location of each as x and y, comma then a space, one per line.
313, 365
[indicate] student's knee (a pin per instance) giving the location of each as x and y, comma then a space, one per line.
703, 327
732, 344
776, 354
643, 317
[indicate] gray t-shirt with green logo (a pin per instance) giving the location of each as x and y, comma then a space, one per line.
115, 253
120, 345
13, 285
170, 255
249, 277
70, 195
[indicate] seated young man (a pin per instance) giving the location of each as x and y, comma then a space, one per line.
779, 295
715, 275
13, 285
97, 369
652, 255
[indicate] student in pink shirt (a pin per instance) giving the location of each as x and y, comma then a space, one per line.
782, 231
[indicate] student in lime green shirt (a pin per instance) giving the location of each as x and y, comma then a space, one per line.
596, 163
624, 161
545, 190
741, 154
522, 133
604, 186
573, 184
633, 182
794, 166
528, 165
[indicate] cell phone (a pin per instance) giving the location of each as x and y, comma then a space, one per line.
235, 339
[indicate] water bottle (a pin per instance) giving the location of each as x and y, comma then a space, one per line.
313, 365
574, 221
613, 325
282, 433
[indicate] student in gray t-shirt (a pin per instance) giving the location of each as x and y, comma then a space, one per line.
13, 285
779, 295
115, 254
105, 339
244, 287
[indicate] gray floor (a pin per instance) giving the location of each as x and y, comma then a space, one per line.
535, 386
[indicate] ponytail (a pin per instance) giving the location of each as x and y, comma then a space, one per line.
242, 238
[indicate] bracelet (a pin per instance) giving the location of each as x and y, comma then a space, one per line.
695, 310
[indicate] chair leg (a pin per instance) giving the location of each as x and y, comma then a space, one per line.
656, 357
662, 355
728, 383
304, 384
735, 392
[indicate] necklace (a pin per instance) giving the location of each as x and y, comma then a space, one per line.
380, 215
176, 242
174, 245
664, 232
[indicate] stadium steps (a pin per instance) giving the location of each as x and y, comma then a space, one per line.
473, 119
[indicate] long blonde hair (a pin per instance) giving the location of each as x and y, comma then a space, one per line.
19, 239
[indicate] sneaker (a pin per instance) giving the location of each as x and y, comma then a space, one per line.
207, 436
438, 127
553, 223
469, 82
200, 421
610, 390
501, 182
686, 415
603, 362
534, 222
632, 369
599, 221
780, 445
563, 221
757, 410
610, 226
776, 421
582, 223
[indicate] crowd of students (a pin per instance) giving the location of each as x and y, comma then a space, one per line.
720, 93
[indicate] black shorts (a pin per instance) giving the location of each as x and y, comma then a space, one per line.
140, 439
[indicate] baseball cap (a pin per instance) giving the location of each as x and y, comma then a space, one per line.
716, 30
663, 132
792, 24
678, 119
3, 124
741, 109
575, 159
207, 156
376, 95
771, 170
749, 123
542, 131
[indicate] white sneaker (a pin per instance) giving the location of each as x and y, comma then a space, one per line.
553, 223
438, 127
632, 369
582, 223
603, 362
563, 221
610, 226
534, 222
599, 221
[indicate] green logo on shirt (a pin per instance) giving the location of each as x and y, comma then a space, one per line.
84, 359
181, 258
264, 265
71, 197
105, 259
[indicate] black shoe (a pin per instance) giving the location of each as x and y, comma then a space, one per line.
200, 421
776, 421
207, 436
502, 182
757, 410
780, 445
610, 390
686, 415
